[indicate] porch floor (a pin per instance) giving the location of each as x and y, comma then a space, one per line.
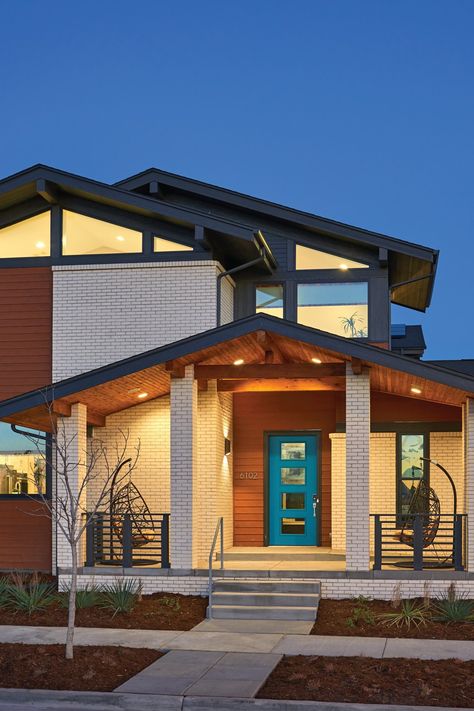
288, 558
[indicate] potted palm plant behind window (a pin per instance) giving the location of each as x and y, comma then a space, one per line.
352, 325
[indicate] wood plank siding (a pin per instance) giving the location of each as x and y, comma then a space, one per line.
256, 413
25, 364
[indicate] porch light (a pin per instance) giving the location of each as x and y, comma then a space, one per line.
316, 360
239, 361
142, 395
227, 446
415, 391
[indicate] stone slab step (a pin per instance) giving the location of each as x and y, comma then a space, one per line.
266, 599
257, 612
271, 557
301, 587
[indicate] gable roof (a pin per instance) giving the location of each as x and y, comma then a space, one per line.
408, 261
205, 347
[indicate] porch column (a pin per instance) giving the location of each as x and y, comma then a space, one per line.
70, 461
184, 471
357, 469
468, 434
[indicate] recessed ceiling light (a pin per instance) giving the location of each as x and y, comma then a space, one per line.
142, 395
415, 391
239, 361
316, 360
120, 238
343, 267
39, 245
133, 391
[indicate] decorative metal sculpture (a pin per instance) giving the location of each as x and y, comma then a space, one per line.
127, 500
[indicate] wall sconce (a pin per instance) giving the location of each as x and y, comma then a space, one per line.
227, 446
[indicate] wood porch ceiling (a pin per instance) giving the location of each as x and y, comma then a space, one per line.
271, 362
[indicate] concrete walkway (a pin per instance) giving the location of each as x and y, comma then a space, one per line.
263, 643
230, 675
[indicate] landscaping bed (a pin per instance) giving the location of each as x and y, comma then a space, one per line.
337, 617
31, 666
159, 611
377, 681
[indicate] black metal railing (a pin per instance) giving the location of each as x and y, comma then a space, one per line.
415, 544
128, 540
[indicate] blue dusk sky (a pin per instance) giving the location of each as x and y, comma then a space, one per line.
358, 110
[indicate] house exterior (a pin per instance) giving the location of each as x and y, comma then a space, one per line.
248, 347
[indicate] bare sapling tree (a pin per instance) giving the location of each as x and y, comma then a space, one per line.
76, 470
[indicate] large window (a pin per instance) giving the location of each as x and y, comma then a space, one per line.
308, 258
337, 308
269, 299
86, 235
410, 468
28, 238
22, 462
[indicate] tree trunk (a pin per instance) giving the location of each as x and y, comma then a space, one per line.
71, 618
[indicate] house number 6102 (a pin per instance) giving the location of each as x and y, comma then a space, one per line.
248, 475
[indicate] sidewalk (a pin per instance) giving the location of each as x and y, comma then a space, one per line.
271, 643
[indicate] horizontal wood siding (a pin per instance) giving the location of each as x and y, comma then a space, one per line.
257, 413
26, 297
25, 536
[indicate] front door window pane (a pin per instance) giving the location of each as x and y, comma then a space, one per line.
337, 308
292, 501
269, 299
293, 450
293, 526
293, 475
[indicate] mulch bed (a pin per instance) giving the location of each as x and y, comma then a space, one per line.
31, 666
333, 615
376, 681
182, 612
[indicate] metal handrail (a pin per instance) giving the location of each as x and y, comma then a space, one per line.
219, 530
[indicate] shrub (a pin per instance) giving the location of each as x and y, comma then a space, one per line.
410, 613
85, 598
31, 597
361, 613
172, 602
452, 608
121, 595
5, 589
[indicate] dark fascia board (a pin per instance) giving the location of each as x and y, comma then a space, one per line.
236, 329
305, 219
117, 197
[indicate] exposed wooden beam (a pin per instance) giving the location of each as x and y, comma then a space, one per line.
272, 352
268, 371
95, 418
277, 385
176, 371
383, 256
61, 408
47, 191
356, 366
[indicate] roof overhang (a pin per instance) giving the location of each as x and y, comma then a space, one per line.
116, 386
412, 264
236, 241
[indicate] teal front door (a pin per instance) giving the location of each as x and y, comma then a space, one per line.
293, 490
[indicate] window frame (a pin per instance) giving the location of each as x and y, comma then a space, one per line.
426, 433
329, 281
48, 439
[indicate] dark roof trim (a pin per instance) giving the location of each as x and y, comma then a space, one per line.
281, 212
230, 331
115, 196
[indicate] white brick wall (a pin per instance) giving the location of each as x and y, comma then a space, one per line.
447, 449
357, 469
106, 312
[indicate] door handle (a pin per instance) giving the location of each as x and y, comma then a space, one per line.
315, 504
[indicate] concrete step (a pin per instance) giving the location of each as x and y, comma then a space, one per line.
300, 587
269, 556
257, 612
265, 599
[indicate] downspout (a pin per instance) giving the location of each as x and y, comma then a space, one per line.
230, 272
